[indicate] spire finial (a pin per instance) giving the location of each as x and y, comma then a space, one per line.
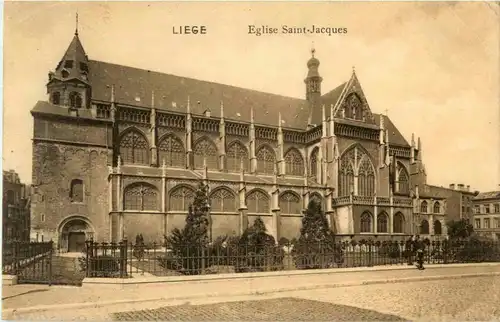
353, 69
76, 26
312, 49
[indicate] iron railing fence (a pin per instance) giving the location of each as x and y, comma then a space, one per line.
126, 259
23, 257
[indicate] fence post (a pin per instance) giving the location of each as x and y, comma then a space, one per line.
50, 261
123, 258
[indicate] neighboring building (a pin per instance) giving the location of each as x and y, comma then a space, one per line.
16, 208
487, 214
118, 151
435, 206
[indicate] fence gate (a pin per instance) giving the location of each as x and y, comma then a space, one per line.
32, 263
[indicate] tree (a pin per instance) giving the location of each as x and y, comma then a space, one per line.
188, 245
459, 229
316, 246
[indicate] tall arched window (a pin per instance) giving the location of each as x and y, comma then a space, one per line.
223, 200
56, 98
141, 196
366, 177
266, 160
205, 150
346, 174
294, 163
366, 225
134, 148
290, 203
424, 227
314, 164
437, 228
75, 100
423, 207
172, 151
258, 202
437, 207
398, 224
236, 153
383, 223
180, 198
76, 190
402, 184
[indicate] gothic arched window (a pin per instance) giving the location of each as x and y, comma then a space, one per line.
354, 107
75, 100
266, 160
290, 203
134, 148
398, 224
236, 153
314, 164
402, 183
424, 227
346, 173
76, 190
423, 207
258, 202
437, 207
180, 198
294, 163
437, 228
141, 196
366, 177
172, 151
205, 150
366, 225
223, 200
56, 98
383, 223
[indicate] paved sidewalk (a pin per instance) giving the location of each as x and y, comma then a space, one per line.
39, 297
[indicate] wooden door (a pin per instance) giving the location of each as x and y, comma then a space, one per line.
76, 242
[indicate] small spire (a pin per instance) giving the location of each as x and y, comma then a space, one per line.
354, 69
324, 112
113, 93
279, 120
251, 115
76, 26
221, 109
413, 140
153, 98
189, 105
313, 51
386, 112
419, 146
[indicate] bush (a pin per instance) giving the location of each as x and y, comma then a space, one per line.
139, 247
390, 249
316, 247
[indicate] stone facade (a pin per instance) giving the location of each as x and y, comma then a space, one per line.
487, 214
119, 151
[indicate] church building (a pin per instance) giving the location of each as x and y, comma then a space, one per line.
119, 151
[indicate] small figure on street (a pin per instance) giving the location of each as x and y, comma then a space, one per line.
409, 246
419, 247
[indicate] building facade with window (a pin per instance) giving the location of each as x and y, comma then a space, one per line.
487, 214
16, 208
118, 151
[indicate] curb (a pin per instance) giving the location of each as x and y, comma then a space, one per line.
42, 308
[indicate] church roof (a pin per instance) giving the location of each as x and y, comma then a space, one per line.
395, 137
134, 86
488, 195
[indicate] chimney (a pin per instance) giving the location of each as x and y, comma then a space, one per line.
460, 186
468, 188
452, 186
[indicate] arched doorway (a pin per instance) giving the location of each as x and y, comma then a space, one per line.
74, 231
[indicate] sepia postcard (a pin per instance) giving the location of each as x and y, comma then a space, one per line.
246, 160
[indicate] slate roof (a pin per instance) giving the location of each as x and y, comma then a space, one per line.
395, 137
131, 83
488, 195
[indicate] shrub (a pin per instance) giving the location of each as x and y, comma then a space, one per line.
139, 247
100, 266
316, 247
390, 249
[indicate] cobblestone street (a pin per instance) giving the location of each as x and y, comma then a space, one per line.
468, 299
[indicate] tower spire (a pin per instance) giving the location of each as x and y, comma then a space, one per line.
76, 26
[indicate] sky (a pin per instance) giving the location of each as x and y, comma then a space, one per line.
432, 67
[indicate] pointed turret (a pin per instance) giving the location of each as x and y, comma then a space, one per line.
74, 65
